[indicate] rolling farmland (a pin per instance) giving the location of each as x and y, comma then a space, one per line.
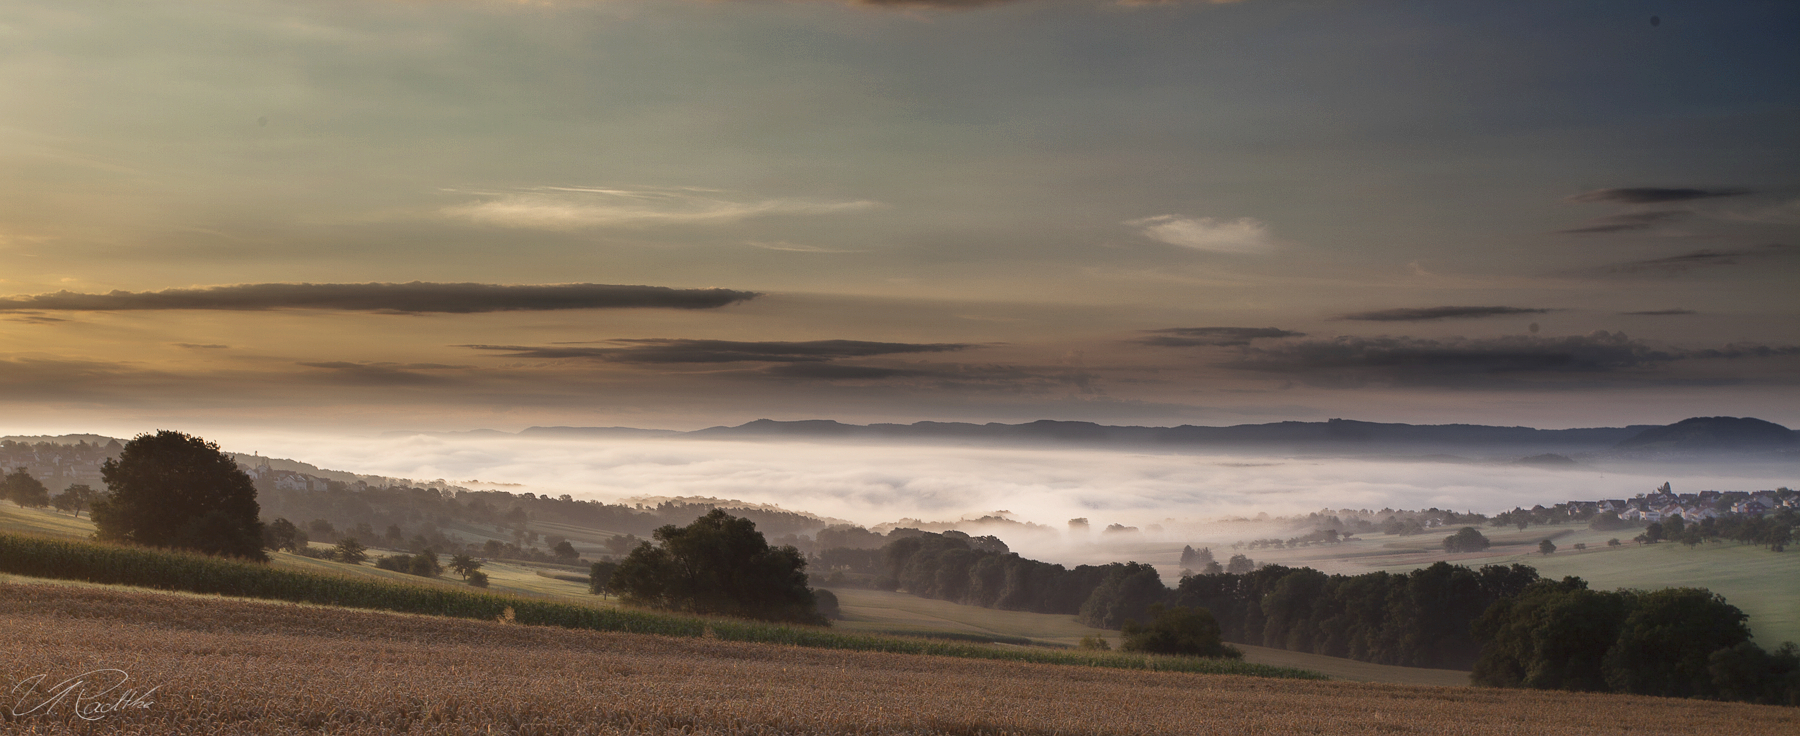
225, 666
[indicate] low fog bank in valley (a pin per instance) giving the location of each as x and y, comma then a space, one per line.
1182, 495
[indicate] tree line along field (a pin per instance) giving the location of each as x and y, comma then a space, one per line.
1764, 584
226, 666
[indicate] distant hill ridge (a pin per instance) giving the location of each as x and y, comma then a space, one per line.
1334, 432
1698, 434
1715, 433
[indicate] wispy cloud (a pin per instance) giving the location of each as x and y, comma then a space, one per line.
1628, 222
1242, 235
675, 351
575, 208
1423, 314
1705, 258
1185, 337
385, 374
413, 297
1355, 361
1654, 195
783, 245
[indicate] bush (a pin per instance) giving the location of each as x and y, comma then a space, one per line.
1094, 643
827, 604
1177, 630
477, 578
1466, 539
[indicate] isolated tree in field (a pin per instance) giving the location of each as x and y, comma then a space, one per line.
1466, 539
563, 551
282, 534
349, 550
718, 564
600, 576
174, 490
25, 490
1546, 547
1177, 630
1614, 542
75, 499
464, 565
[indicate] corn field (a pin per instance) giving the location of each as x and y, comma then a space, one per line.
224, 666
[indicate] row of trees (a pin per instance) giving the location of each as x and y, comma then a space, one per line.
1775, 531
1418, 619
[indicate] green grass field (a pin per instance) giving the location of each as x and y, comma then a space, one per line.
1764, 584
880, 611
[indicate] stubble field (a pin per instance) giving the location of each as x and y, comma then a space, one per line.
237, 667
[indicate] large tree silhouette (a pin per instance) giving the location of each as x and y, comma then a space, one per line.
718, 564
174, 490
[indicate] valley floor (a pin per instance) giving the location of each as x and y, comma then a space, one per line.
226, 666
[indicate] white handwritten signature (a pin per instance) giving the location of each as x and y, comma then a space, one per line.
91, 695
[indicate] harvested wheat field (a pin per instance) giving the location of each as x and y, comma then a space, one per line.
223, 666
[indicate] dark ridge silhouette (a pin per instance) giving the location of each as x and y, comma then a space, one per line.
1713, 433
1336, 433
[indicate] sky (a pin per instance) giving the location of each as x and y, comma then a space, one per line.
442, 215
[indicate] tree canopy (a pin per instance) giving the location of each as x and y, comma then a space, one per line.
1676, 642
170, 489
718, 564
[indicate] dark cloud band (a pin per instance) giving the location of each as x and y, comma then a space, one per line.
408, 298
675, 351
1697, 260
1628, 222
1423, 314
1186, 337
1654, 195
1353, 361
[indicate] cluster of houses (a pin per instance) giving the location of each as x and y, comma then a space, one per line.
1690, 507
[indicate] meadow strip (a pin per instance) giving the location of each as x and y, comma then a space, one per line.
823, 639
194, 573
